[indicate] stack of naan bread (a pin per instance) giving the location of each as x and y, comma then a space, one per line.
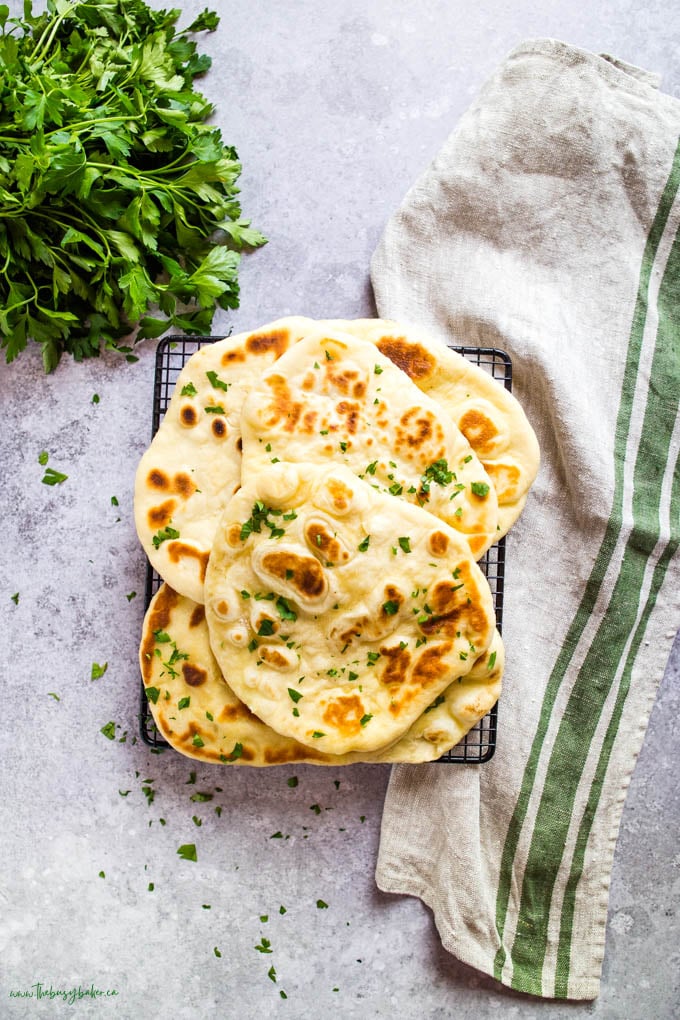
316, 500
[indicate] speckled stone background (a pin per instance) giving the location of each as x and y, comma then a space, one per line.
335, 108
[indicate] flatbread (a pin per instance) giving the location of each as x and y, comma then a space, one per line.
338, 612
197, 712
193, 465
335, 397
487, 414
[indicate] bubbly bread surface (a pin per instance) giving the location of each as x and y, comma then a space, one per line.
333, 397
199, 715
338, 613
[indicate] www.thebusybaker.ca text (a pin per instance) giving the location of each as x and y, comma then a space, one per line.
40, 991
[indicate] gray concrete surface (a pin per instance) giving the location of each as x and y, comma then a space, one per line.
335, 108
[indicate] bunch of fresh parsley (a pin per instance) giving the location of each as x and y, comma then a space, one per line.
117, 199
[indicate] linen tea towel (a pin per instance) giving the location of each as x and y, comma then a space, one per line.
548, 227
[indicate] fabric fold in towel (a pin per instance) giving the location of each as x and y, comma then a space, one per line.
548, 227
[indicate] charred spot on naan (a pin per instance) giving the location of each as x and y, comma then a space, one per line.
345, 714
479, 430
506, 478
303, 574
411, 358
418, 428
397, 660
455, 604
160, 516
178, 551
193, 675
274, 342
188, 416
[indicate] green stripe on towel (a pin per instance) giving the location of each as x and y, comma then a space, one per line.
579, 721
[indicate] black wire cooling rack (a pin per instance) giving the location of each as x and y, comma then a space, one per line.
172, 354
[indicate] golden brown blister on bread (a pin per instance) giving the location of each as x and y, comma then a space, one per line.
343, 655
196, 711
334, 397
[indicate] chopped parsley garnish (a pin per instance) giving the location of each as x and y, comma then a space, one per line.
236, 753
365, 719
437, 472
216, 382
187, 851
396, 489
162, 637
377, 370
260, 515
163, 535
480, 489
284, 609
197, 741
98, 671
343, 446
370, 468
372, 657
363, 545
294, 695
189, 390
352, 675
317, 733
266, 628
405, 544
109, 730
184, 702
152, 694
390, 607
52, 477
492, 661
214, 409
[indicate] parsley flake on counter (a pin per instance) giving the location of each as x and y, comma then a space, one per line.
97, 671
321, 905
271, 973
52, 477
43, 457
109, 730
131, 595
217, 952
51, 694
95, 398
264, 946
187, 851
15, 598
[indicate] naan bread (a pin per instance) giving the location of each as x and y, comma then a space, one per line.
193, 465
486, 413
199, 715
338, 612
335, 398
